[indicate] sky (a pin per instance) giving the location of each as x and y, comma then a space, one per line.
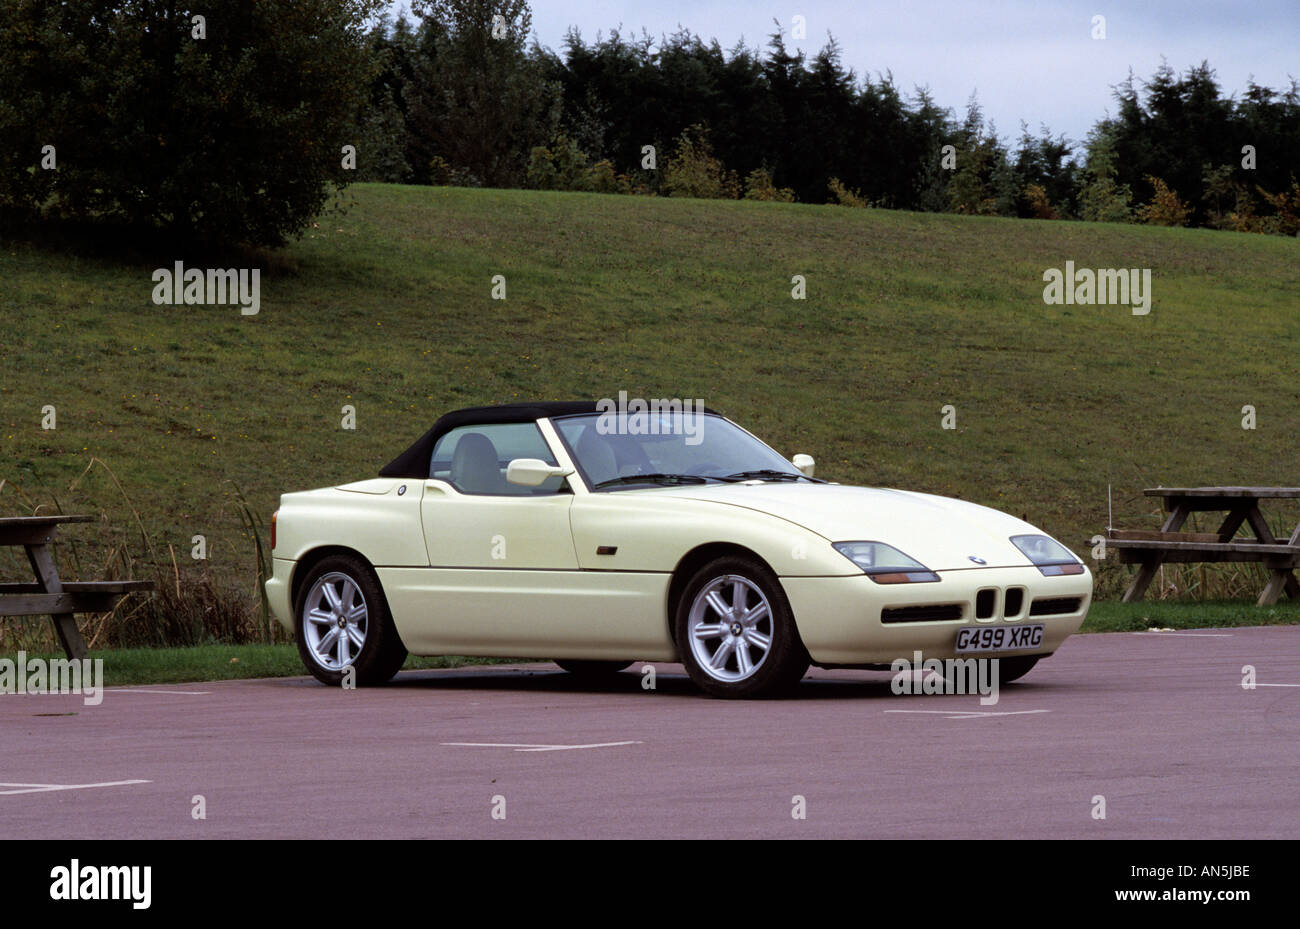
1028, 60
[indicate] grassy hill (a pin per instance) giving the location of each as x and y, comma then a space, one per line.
388, 308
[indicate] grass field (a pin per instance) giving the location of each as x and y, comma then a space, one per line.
388, 308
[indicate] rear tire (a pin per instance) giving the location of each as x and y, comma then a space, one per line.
343, 624
736, 633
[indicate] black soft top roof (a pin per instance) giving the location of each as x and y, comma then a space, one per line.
414, 462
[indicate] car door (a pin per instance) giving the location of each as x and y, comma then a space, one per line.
501, 556
474, 518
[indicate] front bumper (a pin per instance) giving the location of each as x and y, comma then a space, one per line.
839, 618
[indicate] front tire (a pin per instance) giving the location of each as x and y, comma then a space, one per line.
736, 633
343, 625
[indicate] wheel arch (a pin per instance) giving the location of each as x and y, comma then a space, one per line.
695, 559
309, 559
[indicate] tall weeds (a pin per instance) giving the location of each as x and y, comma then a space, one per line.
192, 603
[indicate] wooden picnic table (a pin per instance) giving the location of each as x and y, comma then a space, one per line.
49, 595
1241, 506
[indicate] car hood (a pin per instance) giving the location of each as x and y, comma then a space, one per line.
942, 533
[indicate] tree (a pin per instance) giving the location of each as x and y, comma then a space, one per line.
930, 129
983, 182
383, 154
1221, 195
1102, 199
478, 99
1047, 176
1170, 130
229, 133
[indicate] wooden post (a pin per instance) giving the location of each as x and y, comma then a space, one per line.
1281, 579
1231, 523
65, 624
1136, 590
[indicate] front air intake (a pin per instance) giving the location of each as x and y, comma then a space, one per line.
929, 612
1055, 606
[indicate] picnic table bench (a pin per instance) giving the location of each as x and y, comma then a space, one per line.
48, 595
1241, 506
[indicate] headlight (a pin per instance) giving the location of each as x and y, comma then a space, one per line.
1051, 557
885, 564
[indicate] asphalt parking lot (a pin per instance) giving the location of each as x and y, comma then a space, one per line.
1158, 724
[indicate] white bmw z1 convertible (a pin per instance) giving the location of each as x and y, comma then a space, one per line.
558, 531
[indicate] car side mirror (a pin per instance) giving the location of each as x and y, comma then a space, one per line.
805, 464
533, 472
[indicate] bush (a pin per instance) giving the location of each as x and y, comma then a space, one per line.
846, 196
233, 137
605, 180
760, 186
693, 171
559, 166
1039, 207
1165, 208
564, 166
443, 174
1287, 205
1102, 200
1243, 218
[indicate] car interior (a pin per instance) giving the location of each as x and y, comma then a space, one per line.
469, 459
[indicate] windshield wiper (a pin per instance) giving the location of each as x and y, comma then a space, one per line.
655, 479
766, 474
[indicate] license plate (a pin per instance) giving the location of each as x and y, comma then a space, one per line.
998, 638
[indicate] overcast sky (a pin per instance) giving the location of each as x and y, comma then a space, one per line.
1031, 60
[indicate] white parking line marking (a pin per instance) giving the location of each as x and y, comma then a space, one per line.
1277, 685
179, 693
972, 714
45, 788
530, 747
1191, 635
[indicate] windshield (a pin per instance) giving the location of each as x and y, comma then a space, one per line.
663, 450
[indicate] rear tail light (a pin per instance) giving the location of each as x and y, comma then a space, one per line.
274, 516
